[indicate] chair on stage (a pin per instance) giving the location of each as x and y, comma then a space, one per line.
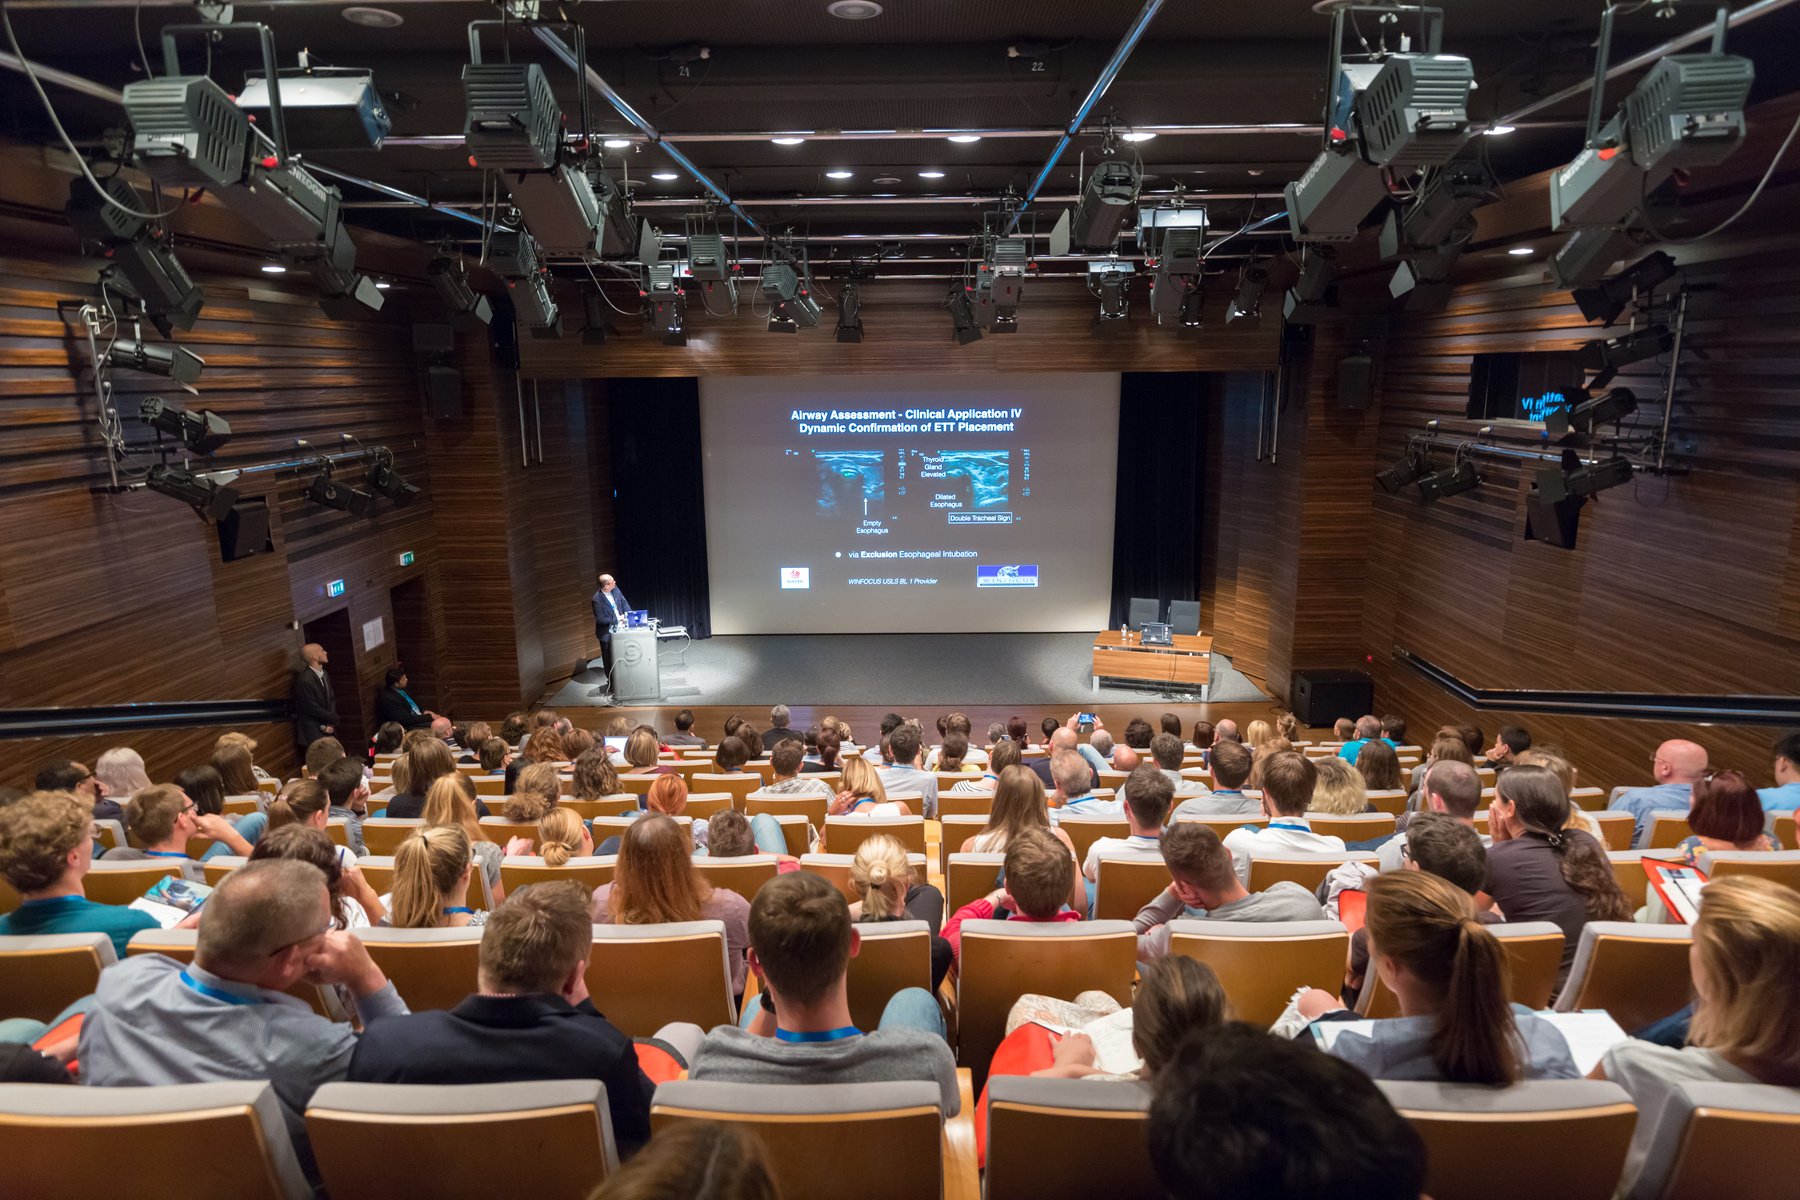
1184, 617
1143, 611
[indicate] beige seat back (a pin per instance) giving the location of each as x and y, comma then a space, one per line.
1083, 831
1668, 828
1734, 1140
590, 871
1306, 869
842, 835
500, 831
1224, 825
970, 877
745, 876
1390, 800
1533, 957
954, 833
42, 974
1067, 1137
1628, 871
605, 806
702, 805
963, 804
1261, 964
892, 955
430, 968
122, 882
1637, 973
1126, 883
383, 835
1779, 866
738, 786
1357, 827
644, 976
813, 808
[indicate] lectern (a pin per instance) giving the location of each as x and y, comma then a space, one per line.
634, 665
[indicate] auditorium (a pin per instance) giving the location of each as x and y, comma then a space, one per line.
769, 599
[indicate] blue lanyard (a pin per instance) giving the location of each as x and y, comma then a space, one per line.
1294, 828
822, 1035
213, 993
449, 911
165, 854
413, 704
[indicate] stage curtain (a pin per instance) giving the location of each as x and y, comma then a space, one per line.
1157, 513
659, 501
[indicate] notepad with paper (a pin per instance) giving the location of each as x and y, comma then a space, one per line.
1590, 1034
1111, 1036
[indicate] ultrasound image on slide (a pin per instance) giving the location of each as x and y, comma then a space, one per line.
989, 473
852, 483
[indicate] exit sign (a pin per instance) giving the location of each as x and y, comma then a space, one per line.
335, 588
406, 558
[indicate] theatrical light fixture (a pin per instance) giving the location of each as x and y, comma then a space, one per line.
1000, 283
207, 498
141, 262
1606, 357
1431, 233
849, 319
962, 315
329, 493
1555, 483
157, 358
1312, 298
1171, 239
1408, 470
791, 302
274, 269
1137, 137
1247, 304
1451, 481
1608, 300
665, 304
201, 432
1106, 200
1588, 416
964, 139
1498, 130
452, 284
514, 257
931, 174
1108, 281
384, 480
1521, 252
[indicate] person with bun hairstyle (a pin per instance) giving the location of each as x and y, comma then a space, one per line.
431, 881
1450, 976
561, 836
883, 878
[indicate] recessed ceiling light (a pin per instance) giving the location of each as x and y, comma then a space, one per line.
931, 174
1138, 137
886, 181
853, 10
1497, 130
665, 176
274, 268
1521, 252
617, 143
839, 174
383, 284
373, 18
788, 141
1254, 171
963, 139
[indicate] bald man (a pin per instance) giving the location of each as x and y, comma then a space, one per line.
1125, 759
1227, 731
610, 607
1062, 741
1676, 766
315, 704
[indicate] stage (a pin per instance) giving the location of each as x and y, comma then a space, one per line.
964, 669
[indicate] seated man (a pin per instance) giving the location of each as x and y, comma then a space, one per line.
684, 734
798, 1029
785, 760
1509, 743
1166, 750
1785, 795
1040, 875
1450, 787
396, 704
65, 776
1367, 730
163, 818
531, 1018
1148, 796
1288, 780
348, 790
46, 846
1061, 739
1073, 794
903, 777
1203, 883
1229, 764
265, 928
1676, 766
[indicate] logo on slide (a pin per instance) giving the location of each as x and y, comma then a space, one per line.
799, 577
1010, 575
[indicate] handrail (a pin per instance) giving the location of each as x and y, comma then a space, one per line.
115, 718
1633, 706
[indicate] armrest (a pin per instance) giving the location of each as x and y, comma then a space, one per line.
962, 1177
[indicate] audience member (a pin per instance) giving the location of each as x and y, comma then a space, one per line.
1393, 730
1240, 1115
452, 801
387, 740
1289, 780
905, 777
74, 778
784, 763
831, 744
889, 723
535, 792
1449, 975
494, 756
1368, 729
46, 847
1226, 730
561, 835
1446, 747
476, 735
1725, 816
1015, 730
684, 734
1258, 758
655, 882
1148, 798
164, 819
732, 754
204, 787
228, 1015
514, 729
236, 771
530, 1019
1005, 754
354, 904
235, 738
1746, 1026
883, 878
744, 836
1138, 734
1538, 870
348, 790
1101, 742
1063, 740
753, 742
1020, 806
578, 742
1343, 729
1073, 795
862, 792
1552, 760
427, 761
1229, 764
595, 776
1175, 997
1341, 790
1287, 725
1511, 740
952, 758
1256, 734
1677, 765
696, 1160
1452, 788
1203, 883
1040, 876
320, 753
545, 745
1171, 724
1048, 726
640, 754
957, 723
779, 730
1203, 737
1785, 795
305, 802
1380, 766
121, 771
431, 881
1165, 751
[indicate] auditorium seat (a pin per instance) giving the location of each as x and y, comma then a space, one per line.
953, 832
738, 786
745, 876
490, 787
702, 805
1616, 829
1357, 827
605, 827
1561, 1137
338, 830
1224, 825
383, 835
796, 831
812, 808
1736, 1140
1067, 1137
110, 833
1638, 973
842, 835
1388, 800
215, 869
1668, 828
1306, 869
639, 785
590, 872
893, 955
9, 897
1592, 799
1085, 831
606, 806
970, 877
1781, 866
1628, 870
179, 944
1124, 883
188, 1141
1533, 956
500, 831
1112, 779
431, 968
1002, 960
836, 869
547, 1139
378, 870
879, 1141
1261, 964
964, 804
1781, 826
123, 882
239, 806
42, 974
644, 976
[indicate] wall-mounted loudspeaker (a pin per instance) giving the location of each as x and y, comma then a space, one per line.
1356, 373
1321, 697
245, 530
443, 387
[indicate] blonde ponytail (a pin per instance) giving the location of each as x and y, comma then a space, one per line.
880, 874
427, 866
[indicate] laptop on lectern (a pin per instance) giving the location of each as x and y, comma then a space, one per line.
1156, 633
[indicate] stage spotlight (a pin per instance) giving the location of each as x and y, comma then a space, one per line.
849, 319
1000, 283
1452, 481
157, 358
1108, 281
141, 263
1608, 301
384, 480
1589, 415
791, 302
665, 308
202, 432
1606, 357
1106, 201
514, 256
1560, 483
1313, 298
962, 315
1452, 195
1175, 285
1247, 304
452, 284
1407, 471
206, 497
597, 328
328, 492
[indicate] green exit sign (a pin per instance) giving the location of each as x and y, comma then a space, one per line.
335, 588
406, 558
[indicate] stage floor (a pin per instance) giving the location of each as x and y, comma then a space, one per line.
962, 669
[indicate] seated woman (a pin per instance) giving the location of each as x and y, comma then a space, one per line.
1379, 765
561, 836
1551, 759
656, 883
387, 740
1340, 790
863, 793
1746, 1026
640, 753
731, 756
668, 796
1725, 815
305, 802
431, 881
595, 776
1258, 734
1204, 733
1449, 974
206, 789
952, 756
535, 793
883, 878
1004, 754
1269, 750
826, 759
1020, 804
237, 770
451, 801
354, 904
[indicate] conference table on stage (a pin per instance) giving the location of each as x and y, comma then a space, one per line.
1187, 661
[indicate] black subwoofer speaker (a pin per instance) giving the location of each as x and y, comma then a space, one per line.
1321, 697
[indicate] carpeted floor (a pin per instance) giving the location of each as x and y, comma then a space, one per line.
900, 669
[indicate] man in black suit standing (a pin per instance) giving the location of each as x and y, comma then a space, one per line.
315, 704
610, 606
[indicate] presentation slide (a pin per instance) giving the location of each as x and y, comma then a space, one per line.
910, 503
